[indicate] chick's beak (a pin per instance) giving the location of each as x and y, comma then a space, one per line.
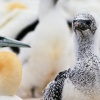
80, 24
7, 42
77, 23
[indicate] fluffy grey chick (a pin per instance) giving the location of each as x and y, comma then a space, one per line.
82, 82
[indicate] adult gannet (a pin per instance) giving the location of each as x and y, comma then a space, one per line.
51, 50
82, 82
10, 70
19, 14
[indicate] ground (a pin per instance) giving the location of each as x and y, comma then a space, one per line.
34, 99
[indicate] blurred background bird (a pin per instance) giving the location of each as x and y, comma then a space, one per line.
46, 26
50, 47
17, 19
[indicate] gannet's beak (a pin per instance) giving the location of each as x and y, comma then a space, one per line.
7, 42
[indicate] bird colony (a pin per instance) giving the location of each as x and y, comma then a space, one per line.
63, 61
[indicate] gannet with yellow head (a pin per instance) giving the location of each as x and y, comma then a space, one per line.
10, 70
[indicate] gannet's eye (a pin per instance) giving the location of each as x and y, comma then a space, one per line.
74, 21
88, 22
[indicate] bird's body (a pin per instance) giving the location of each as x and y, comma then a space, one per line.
81, 82
84, 81
14, 17
50, 49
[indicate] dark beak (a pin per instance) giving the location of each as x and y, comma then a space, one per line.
81, 24
7, 42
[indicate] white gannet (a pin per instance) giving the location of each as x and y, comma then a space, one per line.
19, 14
10, 70
81, 82
16, 13
51, 50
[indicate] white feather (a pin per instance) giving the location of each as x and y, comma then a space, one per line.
51, 51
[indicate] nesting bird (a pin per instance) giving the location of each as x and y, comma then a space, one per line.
82, 82
15, 13
51, 47
10, 70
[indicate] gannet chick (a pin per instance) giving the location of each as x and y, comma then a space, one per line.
10, 70
82, 82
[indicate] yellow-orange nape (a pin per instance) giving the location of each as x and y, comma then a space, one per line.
10, 73
16, 5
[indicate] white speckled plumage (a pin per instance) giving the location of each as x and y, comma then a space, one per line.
82, 82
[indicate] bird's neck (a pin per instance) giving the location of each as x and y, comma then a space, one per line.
45, 6
85, 46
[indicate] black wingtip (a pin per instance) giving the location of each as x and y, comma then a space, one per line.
26, 30
23, 33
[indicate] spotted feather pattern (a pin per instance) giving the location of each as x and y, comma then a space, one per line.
84, 77
54, 89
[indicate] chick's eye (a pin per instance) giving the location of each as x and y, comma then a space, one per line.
88, 22
74, 21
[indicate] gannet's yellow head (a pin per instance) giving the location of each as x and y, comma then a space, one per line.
10, 73
15, 5
10, 67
